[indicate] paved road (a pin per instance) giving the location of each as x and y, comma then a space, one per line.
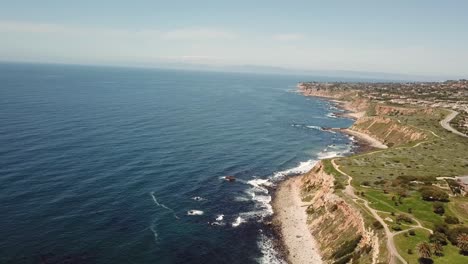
445, 123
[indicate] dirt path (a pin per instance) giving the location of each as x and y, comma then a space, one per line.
445, 123
349, 190
290, 211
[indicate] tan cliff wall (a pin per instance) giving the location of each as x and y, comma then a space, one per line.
381, 109
335, 223
388, 130
327, 93
350, 99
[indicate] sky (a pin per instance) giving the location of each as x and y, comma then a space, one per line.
406, 37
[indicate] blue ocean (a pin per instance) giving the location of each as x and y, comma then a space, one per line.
126, 165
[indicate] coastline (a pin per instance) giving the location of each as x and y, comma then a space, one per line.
290, 218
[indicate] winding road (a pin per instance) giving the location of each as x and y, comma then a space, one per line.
445, 123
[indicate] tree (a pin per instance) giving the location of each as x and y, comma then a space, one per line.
433, 193
438, 237
438, 249
462, 243
453, 233
424, 250
451, 220
438, 208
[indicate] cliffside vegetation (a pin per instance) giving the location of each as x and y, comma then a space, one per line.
409, 178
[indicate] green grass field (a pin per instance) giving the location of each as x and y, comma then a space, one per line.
441, 154
403, 243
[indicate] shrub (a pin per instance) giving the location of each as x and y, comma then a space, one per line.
410, 251
438, 237
333, 208
438, 208
396, 227
455, 232
377, 225
404, 218
412, 233
338, 185
346, 248
433, 193
451, 220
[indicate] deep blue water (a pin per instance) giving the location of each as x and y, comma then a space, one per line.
100, 165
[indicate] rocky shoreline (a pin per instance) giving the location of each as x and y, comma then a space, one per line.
295, 241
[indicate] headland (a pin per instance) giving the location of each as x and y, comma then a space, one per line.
388, 202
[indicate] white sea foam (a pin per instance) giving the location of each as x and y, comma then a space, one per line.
195, 212
198, 198
332, 115
315, 127
155, 233
302, 167
220, 217
269, 254
241, 199
163, 206
219, 221
239, 220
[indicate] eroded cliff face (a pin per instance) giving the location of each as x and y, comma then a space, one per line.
381, 109
388, 130
336, 224
327, 93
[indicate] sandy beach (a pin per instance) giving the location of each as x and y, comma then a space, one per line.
290, 213
373, 142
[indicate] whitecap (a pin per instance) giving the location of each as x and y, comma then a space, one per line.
220, 217
239, 220
269, 254
315, 127
241, 199
301, 168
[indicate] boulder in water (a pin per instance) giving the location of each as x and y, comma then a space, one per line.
230, 178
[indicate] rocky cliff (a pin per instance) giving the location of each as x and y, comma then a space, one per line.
388, 130
336, 224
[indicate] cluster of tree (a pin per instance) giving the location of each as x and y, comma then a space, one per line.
426, 250
457, 235
433, 193
406, 179
404, 218
454, 186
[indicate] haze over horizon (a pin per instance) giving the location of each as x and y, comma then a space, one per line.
418, 38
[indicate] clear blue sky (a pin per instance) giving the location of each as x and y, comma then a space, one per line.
413, 36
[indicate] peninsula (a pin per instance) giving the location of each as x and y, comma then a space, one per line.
403, 201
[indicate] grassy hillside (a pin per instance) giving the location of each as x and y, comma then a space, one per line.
396, 180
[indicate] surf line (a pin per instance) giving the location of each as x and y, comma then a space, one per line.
163, 206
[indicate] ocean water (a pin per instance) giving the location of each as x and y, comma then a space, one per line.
119, 165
